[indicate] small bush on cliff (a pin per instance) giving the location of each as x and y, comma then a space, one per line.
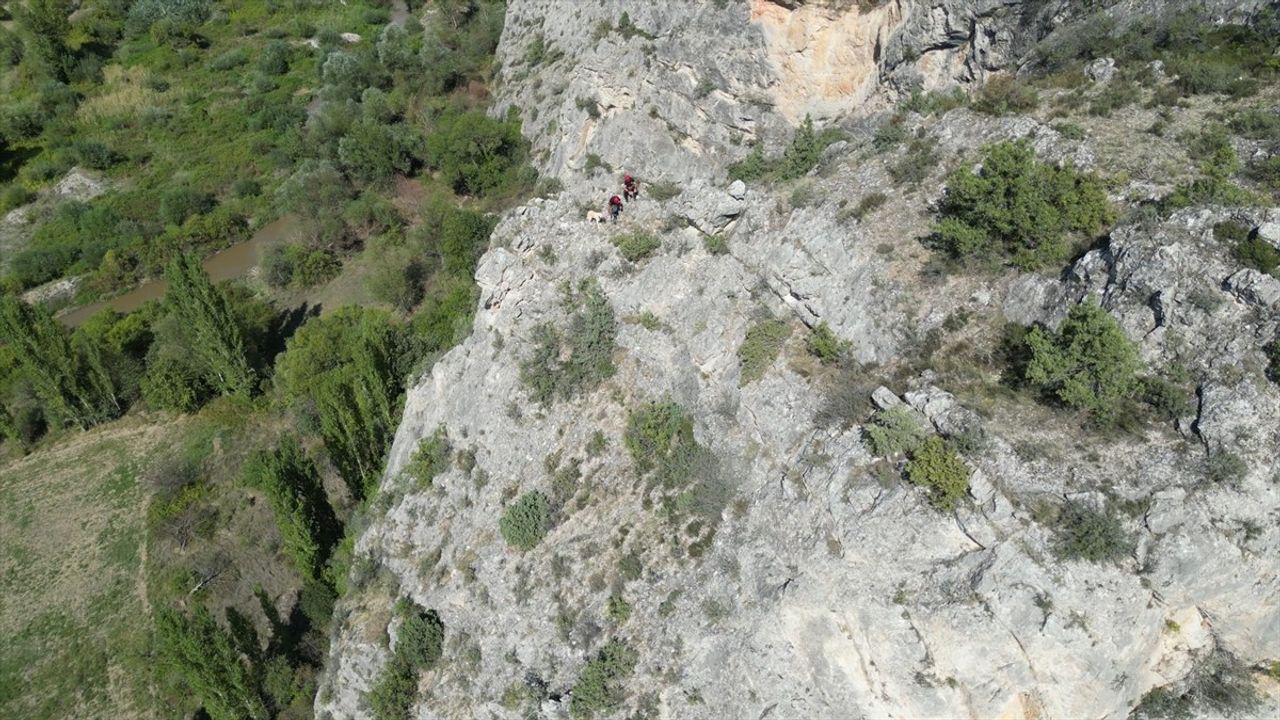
760, 348
801, 156
526, 521
431, 458
599, 687
1088, 533
567, 362
1005, 95
1019, 208
937, 468
826, 345
894, 431
636, 246
1088, 363
419, 645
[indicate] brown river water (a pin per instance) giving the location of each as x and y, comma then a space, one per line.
232, 262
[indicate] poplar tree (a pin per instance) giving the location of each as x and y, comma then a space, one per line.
206, 657
303, 515
217, 339
70, 377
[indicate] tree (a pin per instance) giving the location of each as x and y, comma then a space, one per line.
218, 339
69, 375
347, 368
476, 154
47, 28
206, 658
1089, 363
803, 153
373, 153
303, 516
1018, 207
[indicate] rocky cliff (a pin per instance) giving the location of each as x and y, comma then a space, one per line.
806, 580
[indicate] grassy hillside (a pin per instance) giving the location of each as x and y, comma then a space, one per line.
74, 616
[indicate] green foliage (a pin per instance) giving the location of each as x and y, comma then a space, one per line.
1272, 352
916, 164
1086, 533
207, 659
292, 485
801, 156
347, 367
826, 346
296, 266
619, 610
663, 190
715, 244
218, 339
1089, 363
419, 646
478, 155
46, 34
894, 431
936, 467
1226, 468
69, 375
1005, 95
1257, 253
1169, 400
636, 245
430, 458
599, 688
567, 362
1019, 208
760, 348
659, 437
373, 153
525, 522
1219, 685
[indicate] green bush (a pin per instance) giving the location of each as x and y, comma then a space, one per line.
14, 196
760, 348
894, 431
637, 245
599, 687
419, 646
663, 190
801, 156
1219, 685
1272, 352
526, 521
1088, 363
430, 458
936, 467
659, 438
1257, 253
567, 362
1225, 468
619, 610
916, 163
478, 155
826, 346
1005, 95
715, 244
1019, 208
1086, 533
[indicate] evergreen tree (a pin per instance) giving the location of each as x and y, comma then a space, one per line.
47, 27
1089, 363
208, 660
70, 378
803, 153
303, 516
204, 310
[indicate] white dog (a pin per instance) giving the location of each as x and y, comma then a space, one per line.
594, 216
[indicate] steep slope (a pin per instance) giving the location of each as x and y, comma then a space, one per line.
774, 567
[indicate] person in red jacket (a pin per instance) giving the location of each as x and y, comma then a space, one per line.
630, 189
615, 207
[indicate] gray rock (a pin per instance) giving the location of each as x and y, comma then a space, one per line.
738, 190
1101, 70
1270, 232
1254, 287
884, 398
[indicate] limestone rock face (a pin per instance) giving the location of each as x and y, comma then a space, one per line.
822, 584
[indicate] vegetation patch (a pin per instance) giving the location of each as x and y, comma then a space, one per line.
894, 431
1087, 533
565, 363
826, 346
1088, 363
1018, 208
526, 521
936, 467
600, 687
760, 348
419, 646
801, 156
636, 246
430, 458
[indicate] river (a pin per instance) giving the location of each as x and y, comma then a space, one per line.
232, 262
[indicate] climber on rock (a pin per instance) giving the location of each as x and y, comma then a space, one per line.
630, 189
615, 208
